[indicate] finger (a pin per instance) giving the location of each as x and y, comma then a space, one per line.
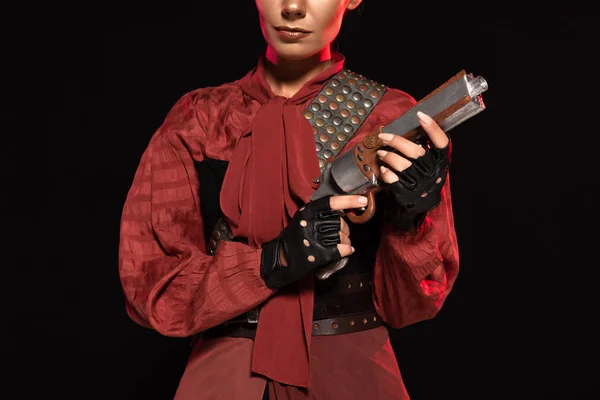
347, 202
329, 239
403, 145
395, 161
344, 239
436, 134
329, 227
345, 249
388, 175
344, 228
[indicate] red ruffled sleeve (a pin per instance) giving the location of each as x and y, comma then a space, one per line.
170, 282
405, 291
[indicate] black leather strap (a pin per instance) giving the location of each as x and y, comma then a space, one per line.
321, 327
346, 324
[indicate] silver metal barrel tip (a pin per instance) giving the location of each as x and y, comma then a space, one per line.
476, 85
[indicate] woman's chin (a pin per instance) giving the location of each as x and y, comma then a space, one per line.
295, 51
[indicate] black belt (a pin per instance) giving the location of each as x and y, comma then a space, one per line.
321, 327
348, 308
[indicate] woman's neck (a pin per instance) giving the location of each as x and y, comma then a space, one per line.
286, 77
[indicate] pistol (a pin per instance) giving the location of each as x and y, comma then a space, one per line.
356, 171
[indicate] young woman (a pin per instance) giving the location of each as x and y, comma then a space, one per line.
232, 259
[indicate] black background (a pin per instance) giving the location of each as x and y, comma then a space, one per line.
86, 86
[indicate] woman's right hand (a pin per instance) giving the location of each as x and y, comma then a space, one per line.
315, 237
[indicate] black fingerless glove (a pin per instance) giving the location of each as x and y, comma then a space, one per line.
419, 187
309, 241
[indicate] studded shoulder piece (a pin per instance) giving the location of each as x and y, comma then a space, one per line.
339, 110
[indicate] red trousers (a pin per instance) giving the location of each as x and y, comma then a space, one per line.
359, 365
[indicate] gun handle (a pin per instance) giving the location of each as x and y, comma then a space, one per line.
365, 215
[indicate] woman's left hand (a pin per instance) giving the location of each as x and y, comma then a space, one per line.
415, 171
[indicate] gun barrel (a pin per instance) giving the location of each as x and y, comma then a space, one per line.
449, 105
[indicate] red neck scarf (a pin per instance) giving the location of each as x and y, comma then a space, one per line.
269, 177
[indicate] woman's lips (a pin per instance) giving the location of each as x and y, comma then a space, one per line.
292, 35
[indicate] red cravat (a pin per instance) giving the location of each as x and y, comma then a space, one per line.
270, 175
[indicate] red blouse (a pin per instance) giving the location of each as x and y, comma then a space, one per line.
172, 285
